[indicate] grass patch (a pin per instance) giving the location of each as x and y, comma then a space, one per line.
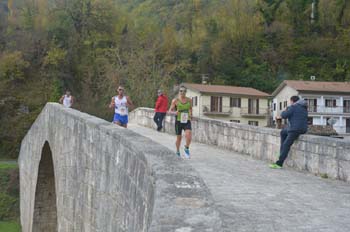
7, 165
9, 226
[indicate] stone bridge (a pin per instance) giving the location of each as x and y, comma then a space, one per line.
81, 173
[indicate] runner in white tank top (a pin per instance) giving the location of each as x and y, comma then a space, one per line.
67, 99
121, 104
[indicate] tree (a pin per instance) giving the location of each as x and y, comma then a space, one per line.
268, 9
12, 66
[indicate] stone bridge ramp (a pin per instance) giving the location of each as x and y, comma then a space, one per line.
79, 173
251, 197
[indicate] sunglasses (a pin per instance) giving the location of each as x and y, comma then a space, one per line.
182, 91
120, 89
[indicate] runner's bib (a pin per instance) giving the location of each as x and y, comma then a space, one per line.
122, 110
183, 117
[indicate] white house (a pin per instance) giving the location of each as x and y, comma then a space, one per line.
327, 101
229, 103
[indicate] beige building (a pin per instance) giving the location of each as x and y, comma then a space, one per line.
328, 102
229, 103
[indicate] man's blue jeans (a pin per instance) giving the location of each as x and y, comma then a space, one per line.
158, 119
287, 140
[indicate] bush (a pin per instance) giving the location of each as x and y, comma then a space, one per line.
9, 191
8, 207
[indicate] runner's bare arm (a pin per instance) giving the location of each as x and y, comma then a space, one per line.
72, 101
61, 99
172, 107
129, 102
112, 104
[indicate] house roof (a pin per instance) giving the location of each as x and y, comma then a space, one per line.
224, 89
315, 86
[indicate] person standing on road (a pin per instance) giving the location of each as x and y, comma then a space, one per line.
297, 115
160, 109
121, 105
182, 108
67, 100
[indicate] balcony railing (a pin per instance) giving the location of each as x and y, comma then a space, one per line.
253, 112
227, 111
224, 110
329, 110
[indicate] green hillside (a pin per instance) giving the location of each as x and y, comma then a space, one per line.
90, 46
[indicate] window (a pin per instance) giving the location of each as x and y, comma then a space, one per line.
274, 106
309, 121
194, 101
331, 103
215, 104
280, 105
236, 121
253, 106
235, 102
311, 105
285, 103
253, 123
346, 105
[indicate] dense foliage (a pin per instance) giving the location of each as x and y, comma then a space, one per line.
89, 46
9, 192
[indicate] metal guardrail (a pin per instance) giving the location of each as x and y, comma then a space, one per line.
332, 110
261, 112
226, 110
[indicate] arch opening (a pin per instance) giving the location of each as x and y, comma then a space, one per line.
45, 210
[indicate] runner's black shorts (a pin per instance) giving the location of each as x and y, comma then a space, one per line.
182, 126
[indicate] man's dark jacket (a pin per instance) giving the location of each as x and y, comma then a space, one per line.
297, 116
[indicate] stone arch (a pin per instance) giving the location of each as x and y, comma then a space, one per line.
45, 210
107, 178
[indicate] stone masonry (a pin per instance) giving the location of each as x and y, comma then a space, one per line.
252, 197
315, 154
81, 173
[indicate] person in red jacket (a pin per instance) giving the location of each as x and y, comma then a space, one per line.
160, 109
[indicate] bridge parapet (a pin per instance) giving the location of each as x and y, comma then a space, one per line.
81, 173
316, 154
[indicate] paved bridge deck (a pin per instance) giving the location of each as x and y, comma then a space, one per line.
252, 197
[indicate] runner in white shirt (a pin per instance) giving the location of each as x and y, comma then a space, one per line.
67, 100
121, 104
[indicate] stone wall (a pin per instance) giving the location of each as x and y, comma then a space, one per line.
324, 156
106, 178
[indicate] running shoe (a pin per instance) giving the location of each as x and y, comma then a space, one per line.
187, 152
275, 166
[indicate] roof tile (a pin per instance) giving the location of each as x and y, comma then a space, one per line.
224, 89
319, 86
